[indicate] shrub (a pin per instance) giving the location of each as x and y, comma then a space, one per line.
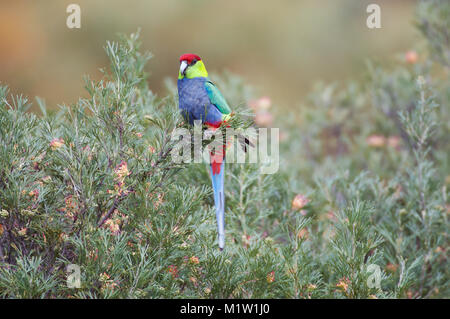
358, 209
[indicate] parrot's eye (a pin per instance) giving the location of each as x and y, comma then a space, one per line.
193, 62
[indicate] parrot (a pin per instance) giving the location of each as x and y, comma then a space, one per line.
200, 99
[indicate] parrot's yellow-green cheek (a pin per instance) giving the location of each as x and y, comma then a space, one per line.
194, 71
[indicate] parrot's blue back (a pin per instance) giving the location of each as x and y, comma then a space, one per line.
195, 103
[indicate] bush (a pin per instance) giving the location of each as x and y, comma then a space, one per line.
358, 209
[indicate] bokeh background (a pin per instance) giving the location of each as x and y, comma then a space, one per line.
280, 47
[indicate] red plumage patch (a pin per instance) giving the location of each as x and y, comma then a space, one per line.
189, 57
214, 125
216, 161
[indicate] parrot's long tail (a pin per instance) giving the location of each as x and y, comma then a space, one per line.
217, 176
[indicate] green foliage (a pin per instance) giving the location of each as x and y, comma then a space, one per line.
359, 208
433, 19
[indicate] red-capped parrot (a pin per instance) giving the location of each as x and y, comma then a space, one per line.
200, 99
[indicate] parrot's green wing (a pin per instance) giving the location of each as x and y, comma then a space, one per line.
217, 98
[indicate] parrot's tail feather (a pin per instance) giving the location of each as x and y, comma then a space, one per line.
217, 176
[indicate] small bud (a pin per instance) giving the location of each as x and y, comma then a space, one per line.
271, 277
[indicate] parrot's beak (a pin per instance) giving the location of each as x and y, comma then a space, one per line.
183, 67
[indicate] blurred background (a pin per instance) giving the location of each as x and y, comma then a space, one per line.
280, 47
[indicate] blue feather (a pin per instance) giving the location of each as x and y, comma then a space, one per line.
219, 201
194, 102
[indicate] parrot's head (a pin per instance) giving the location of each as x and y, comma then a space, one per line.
191, 66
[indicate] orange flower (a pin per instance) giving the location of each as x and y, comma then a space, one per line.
34, 193
173, 270
121, 171
71, 207
22, 232
93, 254
193, 280
263, 103
106, 282
271, 277
1, 229
194, 260
343, 284
303, 234
391, 267
311, 287
376, 140
299, 202
411, 57
331, 215
113, 226
56, 143
104, 277
263, 119
115, 221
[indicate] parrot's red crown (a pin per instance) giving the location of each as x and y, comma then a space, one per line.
189, 57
